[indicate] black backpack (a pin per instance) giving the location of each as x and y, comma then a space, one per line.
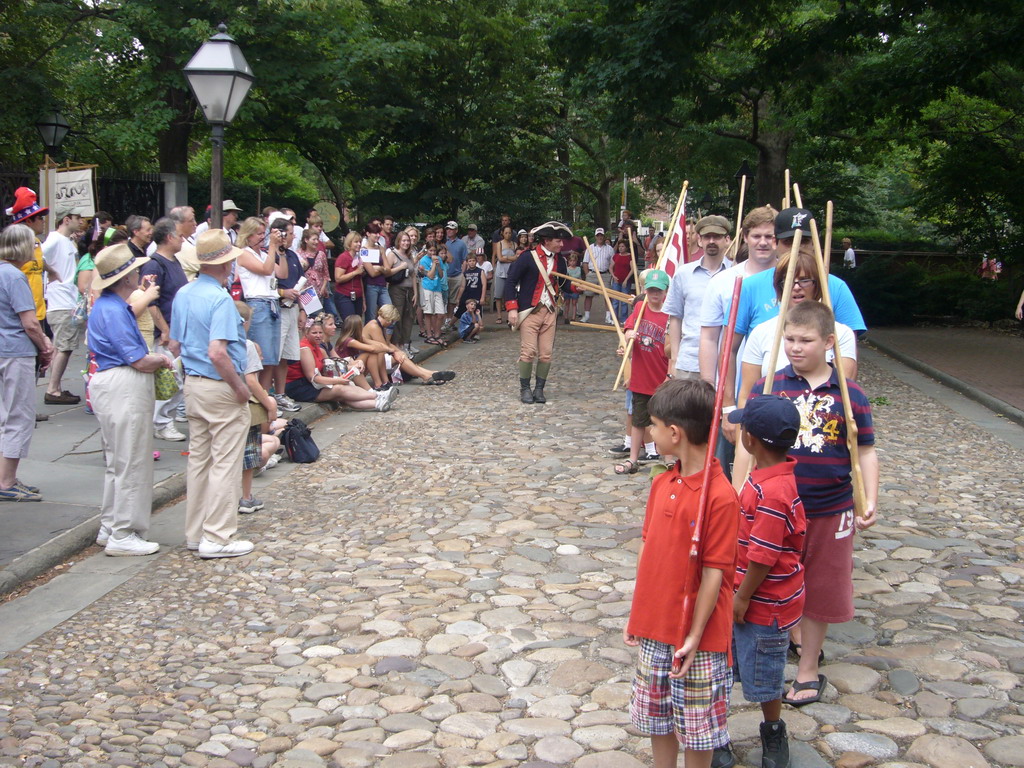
298, 443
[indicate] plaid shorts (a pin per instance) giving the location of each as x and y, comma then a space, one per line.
252, 458
696, 707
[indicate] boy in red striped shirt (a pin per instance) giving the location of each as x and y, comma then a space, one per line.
769, 581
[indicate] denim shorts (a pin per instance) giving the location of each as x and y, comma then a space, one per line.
759, 654
265, 329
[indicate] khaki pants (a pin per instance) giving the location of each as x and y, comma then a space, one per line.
217, 426
537, 336
122, 398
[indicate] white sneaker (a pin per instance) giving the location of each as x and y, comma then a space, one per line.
411, 349
210, 549
271, 463
286, 403
383, 402
585, 318
130, 545
608, 319
169, 433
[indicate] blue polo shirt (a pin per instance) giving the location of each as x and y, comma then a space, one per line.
822, 456
204, 311
458, 252
114, 336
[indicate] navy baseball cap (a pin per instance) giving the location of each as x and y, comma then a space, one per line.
772, 418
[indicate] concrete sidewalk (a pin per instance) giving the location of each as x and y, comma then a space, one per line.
986, 366
66, 462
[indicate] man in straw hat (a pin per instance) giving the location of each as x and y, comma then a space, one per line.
531, 298
210, 332
121, 392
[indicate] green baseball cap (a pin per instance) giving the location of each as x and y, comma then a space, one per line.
656, 279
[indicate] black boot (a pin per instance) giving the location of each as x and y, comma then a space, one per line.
774, 745
538, 391
525, 395
723, 757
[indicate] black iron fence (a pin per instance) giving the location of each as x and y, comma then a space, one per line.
120, 196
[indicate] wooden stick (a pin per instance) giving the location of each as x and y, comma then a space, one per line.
593, 326
828, 235
590, 287
734, 246
632, 262
859, 497
680, 208
785, 197
691, 586
607, 298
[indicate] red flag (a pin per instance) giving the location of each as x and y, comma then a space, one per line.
677, 249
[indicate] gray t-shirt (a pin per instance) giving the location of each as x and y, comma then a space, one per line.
253, 363
15, 297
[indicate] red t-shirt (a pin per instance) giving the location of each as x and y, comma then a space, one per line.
622, 266
355, 284
657, 610
295, 369
773, 527
650, 366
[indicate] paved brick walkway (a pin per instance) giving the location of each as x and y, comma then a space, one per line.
993, 362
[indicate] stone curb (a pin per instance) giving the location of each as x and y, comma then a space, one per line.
69, 543
967, 390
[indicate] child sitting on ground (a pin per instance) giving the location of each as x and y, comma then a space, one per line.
823, 480
649, 365
470, 323
769, 575
374, 342
690, 703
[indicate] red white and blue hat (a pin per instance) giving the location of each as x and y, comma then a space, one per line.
26, 205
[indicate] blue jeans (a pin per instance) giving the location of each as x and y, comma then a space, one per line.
346, 306
265, 329
376, 297
621, 307
330, 306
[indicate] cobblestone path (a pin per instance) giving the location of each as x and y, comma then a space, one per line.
447, 585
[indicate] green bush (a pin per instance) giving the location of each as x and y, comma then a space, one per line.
891, 291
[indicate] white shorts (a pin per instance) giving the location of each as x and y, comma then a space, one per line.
290, 333
432, 302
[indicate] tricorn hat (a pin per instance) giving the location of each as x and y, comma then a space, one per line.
551, 229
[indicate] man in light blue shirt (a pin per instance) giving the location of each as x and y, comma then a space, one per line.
210, 333
686, 294
457, 251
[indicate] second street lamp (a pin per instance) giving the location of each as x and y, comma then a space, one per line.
220, 79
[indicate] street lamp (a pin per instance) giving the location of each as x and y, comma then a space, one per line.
53, 128
220, 79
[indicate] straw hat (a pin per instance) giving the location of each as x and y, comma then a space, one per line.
113, 263
214, 247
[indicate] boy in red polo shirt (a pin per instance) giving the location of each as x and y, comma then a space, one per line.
691, 705
769, 574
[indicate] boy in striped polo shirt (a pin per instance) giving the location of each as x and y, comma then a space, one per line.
824, 482
769, 582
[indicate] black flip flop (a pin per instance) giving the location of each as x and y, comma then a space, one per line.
794, 648
813, 685
442, 376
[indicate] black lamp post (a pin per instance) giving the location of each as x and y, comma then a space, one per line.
220, 79
53, 128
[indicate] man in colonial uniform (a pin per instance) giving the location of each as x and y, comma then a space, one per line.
531, 298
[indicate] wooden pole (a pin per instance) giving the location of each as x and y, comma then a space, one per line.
590, 286
859, 496
691, 586
734, 246
661, 261
828, 235
785, 196
632, 262
593, 326
604, 292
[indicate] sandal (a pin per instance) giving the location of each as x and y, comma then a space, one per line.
794, 648
814, 685
499, 321
627, 467
432, 340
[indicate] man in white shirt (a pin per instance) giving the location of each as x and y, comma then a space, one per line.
474, 243
229, 217
849, 255
598, 259
61, 254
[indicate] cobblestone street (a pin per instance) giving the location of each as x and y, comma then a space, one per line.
447, 587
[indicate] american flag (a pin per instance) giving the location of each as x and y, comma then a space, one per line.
676, 248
